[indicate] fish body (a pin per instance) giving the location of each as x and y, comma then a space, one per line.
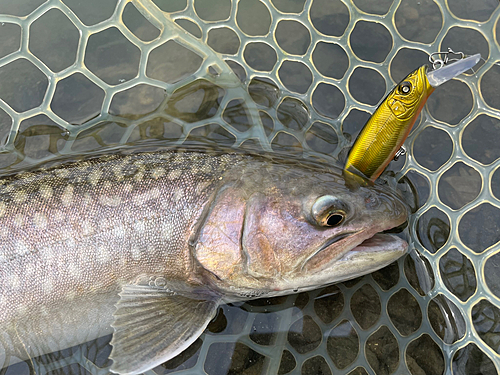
146, 246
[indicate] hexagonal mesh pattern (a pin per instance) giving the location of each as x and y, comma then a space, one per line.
301, 76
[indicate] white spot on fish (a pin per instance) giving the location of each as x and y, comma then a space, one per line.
119, 231
127, 188
4, 232
95, 176
87, 228
9, 188
112, 201
22, 310
178, 195
19, 220
136, 253
118, 173
47, 286
19, 196
174, 174
67, 196
187, 214
167, 230
45, 191
158, 172
21, 248
139, 176
74, 271
154, 193
140, 226
140, 199
50, 255
102, 255
87, 199
70, 242
165, 204
40, 220
58, 215
13, 281
62, 172
205, 168
201, 187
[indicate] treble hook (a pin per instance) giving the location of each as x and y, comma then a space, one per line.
440, 62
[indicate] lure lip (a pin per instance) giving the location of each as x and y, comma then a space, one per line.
447, 72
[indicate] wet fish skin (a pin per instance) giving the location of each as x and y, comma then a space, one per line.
185, 226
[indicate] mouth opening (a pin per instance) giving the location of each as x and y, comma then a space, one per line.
389, 240
334, 240
353, 245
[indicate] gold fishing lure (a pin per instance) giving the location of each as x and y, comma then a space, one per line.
386, 130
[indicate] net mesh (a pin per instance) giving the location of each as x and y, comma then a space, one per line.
301, 76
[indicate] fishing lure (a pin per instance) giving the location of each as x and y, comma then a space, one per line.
382, 137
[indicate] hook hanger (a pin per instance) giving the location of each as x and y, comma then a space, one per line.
439, 59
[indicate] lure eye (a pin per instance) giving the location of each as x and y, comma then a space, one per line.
405, 87
329, 211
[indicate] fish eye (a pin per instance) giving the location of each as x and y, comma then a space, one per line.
328, 211
405, 87
335, 219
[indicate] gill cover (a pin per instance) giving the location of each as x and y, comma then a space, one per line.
387, 129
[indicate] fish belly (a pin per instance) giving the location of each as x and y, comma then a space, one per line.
56, 327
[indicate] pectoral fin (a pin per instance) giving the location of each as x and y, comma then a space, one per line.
153, 325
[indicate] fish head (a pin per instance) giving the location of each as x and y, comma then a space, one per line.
408, 97
280, 229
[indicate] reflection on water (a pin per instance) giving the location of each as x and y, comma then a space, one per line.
307, 74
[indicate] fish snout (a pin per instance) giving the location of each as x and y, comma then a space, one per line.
385, 204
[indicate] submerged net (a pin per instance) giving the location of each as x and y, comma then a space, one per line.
300, 76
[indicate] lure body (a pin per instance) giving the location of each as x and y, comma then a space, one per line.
387, 129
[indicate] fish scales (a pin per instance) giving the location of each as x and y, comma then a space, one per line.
147, 245
61, 228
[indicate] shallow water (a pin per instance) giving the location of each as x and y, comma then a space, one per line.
300, 76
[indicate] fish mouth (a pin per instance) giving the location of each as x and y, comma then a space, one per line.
384, 241
357, 244
379, 243
334, 240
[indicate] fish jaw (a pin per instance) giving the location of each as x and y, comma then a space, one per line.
369, 256
357, 245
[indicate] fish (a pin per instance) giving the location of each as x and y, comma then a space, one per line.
389, 126
146, 245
